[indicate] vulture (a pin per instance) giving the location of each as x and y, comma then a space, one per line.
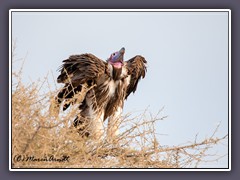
99, 89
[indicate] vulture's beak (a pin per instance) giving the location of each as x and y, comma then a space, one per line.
122, 51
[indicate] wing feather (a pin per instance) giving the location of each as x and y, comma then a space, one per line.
78, 73
137, 69
78, 69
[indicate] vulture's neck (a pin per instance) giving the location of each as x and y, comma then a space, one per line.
116, 73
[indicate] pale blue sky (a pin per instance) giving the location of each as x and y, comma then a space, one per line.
187, 54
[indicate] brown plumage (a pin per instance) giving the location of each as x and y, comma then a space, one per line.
103, 87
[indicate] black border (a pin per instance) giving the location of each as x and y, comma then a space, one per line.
164, 4
79, 11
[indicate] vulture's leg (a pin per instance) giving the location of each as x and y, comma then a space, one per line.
95, 117
113, 124
82, 121
97, 127
90, 120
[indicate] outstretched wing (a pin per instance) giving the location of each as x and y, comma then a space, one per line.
137, 69
78, 69
78, 73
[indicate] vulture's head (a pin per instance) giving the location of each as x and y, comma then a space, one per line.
116, 59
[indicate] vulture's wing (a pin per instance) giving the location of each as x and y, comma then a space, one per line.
78, 69
78, 73
136, 70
